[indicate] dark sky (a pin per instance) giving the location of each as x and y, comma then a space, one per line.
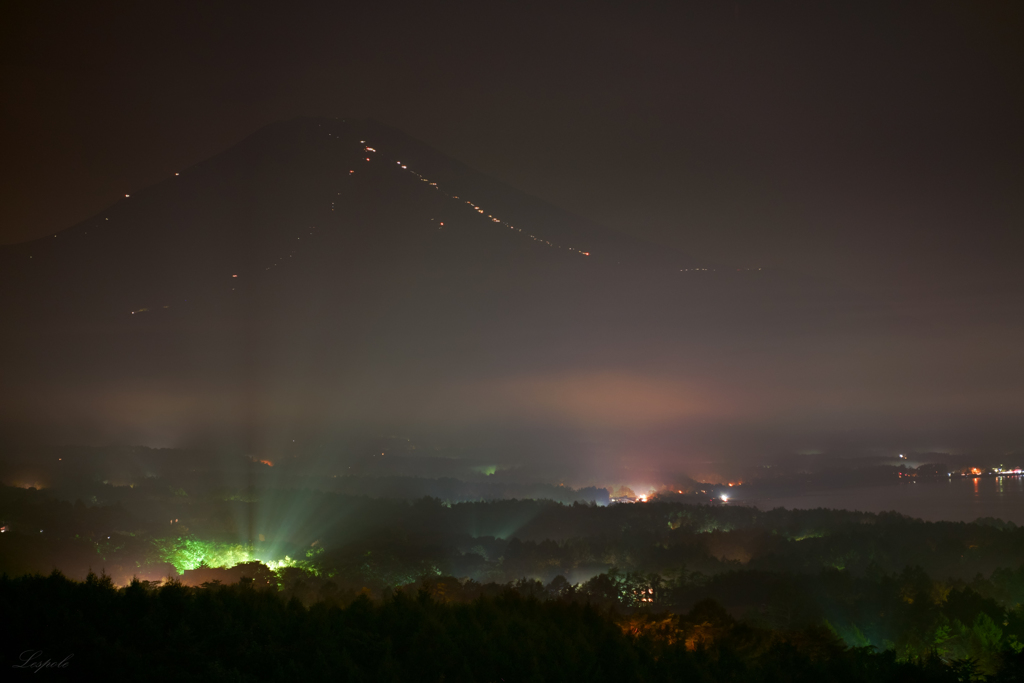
876, 145
879, 143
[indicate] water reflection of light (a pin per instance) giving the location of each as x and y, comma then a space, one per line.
976, 484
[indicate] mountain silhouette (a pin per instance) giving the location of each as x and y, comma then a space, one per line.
324, 258
360, 191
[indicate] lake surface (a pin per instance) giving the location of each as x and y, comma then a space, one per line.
959, 499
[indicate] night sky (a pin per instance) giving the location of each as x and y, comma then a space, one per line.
875, 147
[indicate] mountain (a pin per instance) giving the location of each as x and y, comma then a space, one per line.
328, 272
357, 190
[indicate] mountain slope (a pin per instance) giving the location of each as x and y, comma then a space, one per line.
250, 208
323, 271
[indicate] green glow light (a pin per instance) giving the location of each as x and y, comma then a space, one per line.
187, 553
280, 564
